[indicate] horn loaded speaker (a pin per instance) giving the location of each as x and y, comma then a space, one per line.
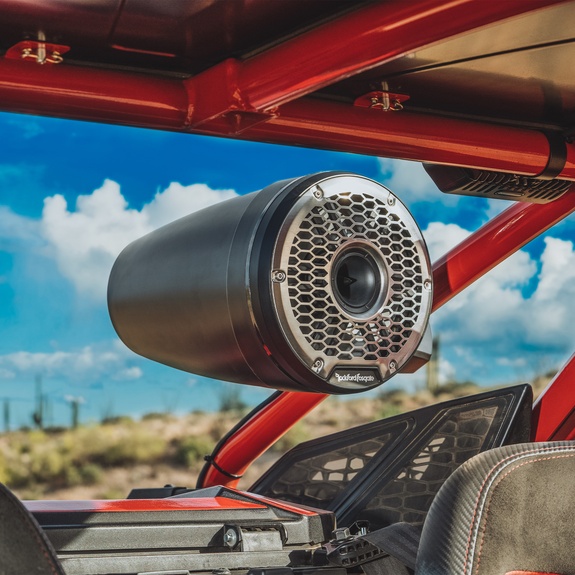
320, 283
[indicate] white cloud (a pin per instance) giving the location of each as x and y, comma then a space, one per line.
29, 128
6, 374
14, 227
85, 242
495, 207
86, 365
440, 238
129, 374
494, 321
177, 201
410, 182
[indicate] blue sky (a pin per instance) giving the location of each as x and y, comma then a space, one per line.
72, 194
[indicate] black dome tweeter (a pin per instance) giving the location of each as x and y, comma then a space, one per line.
358, 281
320, 283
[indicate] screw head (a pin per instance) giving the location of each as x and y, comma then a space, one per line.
278, 276
392, 365
391, 201
427, 284
231, 538
318, 193
317, 365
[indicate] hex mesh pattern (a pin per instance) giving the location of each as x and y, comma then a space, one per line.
408, 496
316, 481
324, 326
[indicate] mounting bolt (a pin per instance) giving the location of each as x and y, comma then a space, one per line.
318, 193
317, 365
391, 201
427, 284
278, 276
230, 538
392, 365
341, 534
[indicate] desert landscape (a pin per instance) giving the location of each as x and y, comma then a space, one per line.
108, 459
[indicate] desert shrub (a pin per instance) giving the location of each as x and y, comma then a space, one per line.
296, 435
157, 415
117, 420
389, 410
3, 469
91, 474
190, 450
138, 446
230, 399
76, 457
456, 389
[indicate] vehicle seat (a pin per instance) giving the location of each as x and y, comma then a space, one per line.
510, 509
24, 548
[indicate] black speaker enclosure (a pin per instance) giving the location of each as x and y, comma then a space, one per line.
320, 283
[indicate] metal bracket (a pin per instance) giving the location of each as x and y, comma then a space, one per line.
380, 100
38, 52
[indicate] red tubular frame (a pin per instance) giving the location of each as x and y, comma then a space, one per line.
554, 410
233, 98
411, 136
494, 242
505, 234
356, 42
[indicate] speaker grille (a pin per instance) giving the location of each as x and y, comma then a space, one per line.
326, 222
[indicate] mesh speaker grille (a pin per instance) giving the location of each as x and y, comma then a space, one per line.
326, 221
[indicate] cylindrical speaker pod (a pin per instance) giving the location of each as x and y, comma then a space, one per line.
321, 283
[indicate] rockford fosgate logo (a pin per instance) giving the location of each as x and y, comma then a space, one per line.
356, 377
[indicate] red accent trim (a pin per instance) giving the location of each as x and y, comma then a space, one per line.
132, 505
460, 267
286, 506
554, 410
529, 573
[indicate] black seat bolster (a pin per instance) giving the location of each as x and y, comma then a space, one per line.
506, 509
24, 548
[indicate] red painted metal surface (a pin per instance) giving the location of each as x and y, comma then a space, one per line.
471, 259
258, 434
133, 505
554, 410
222, 503
410, 136
89, 94
494, 242
197, 104
355, 43
163, 103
